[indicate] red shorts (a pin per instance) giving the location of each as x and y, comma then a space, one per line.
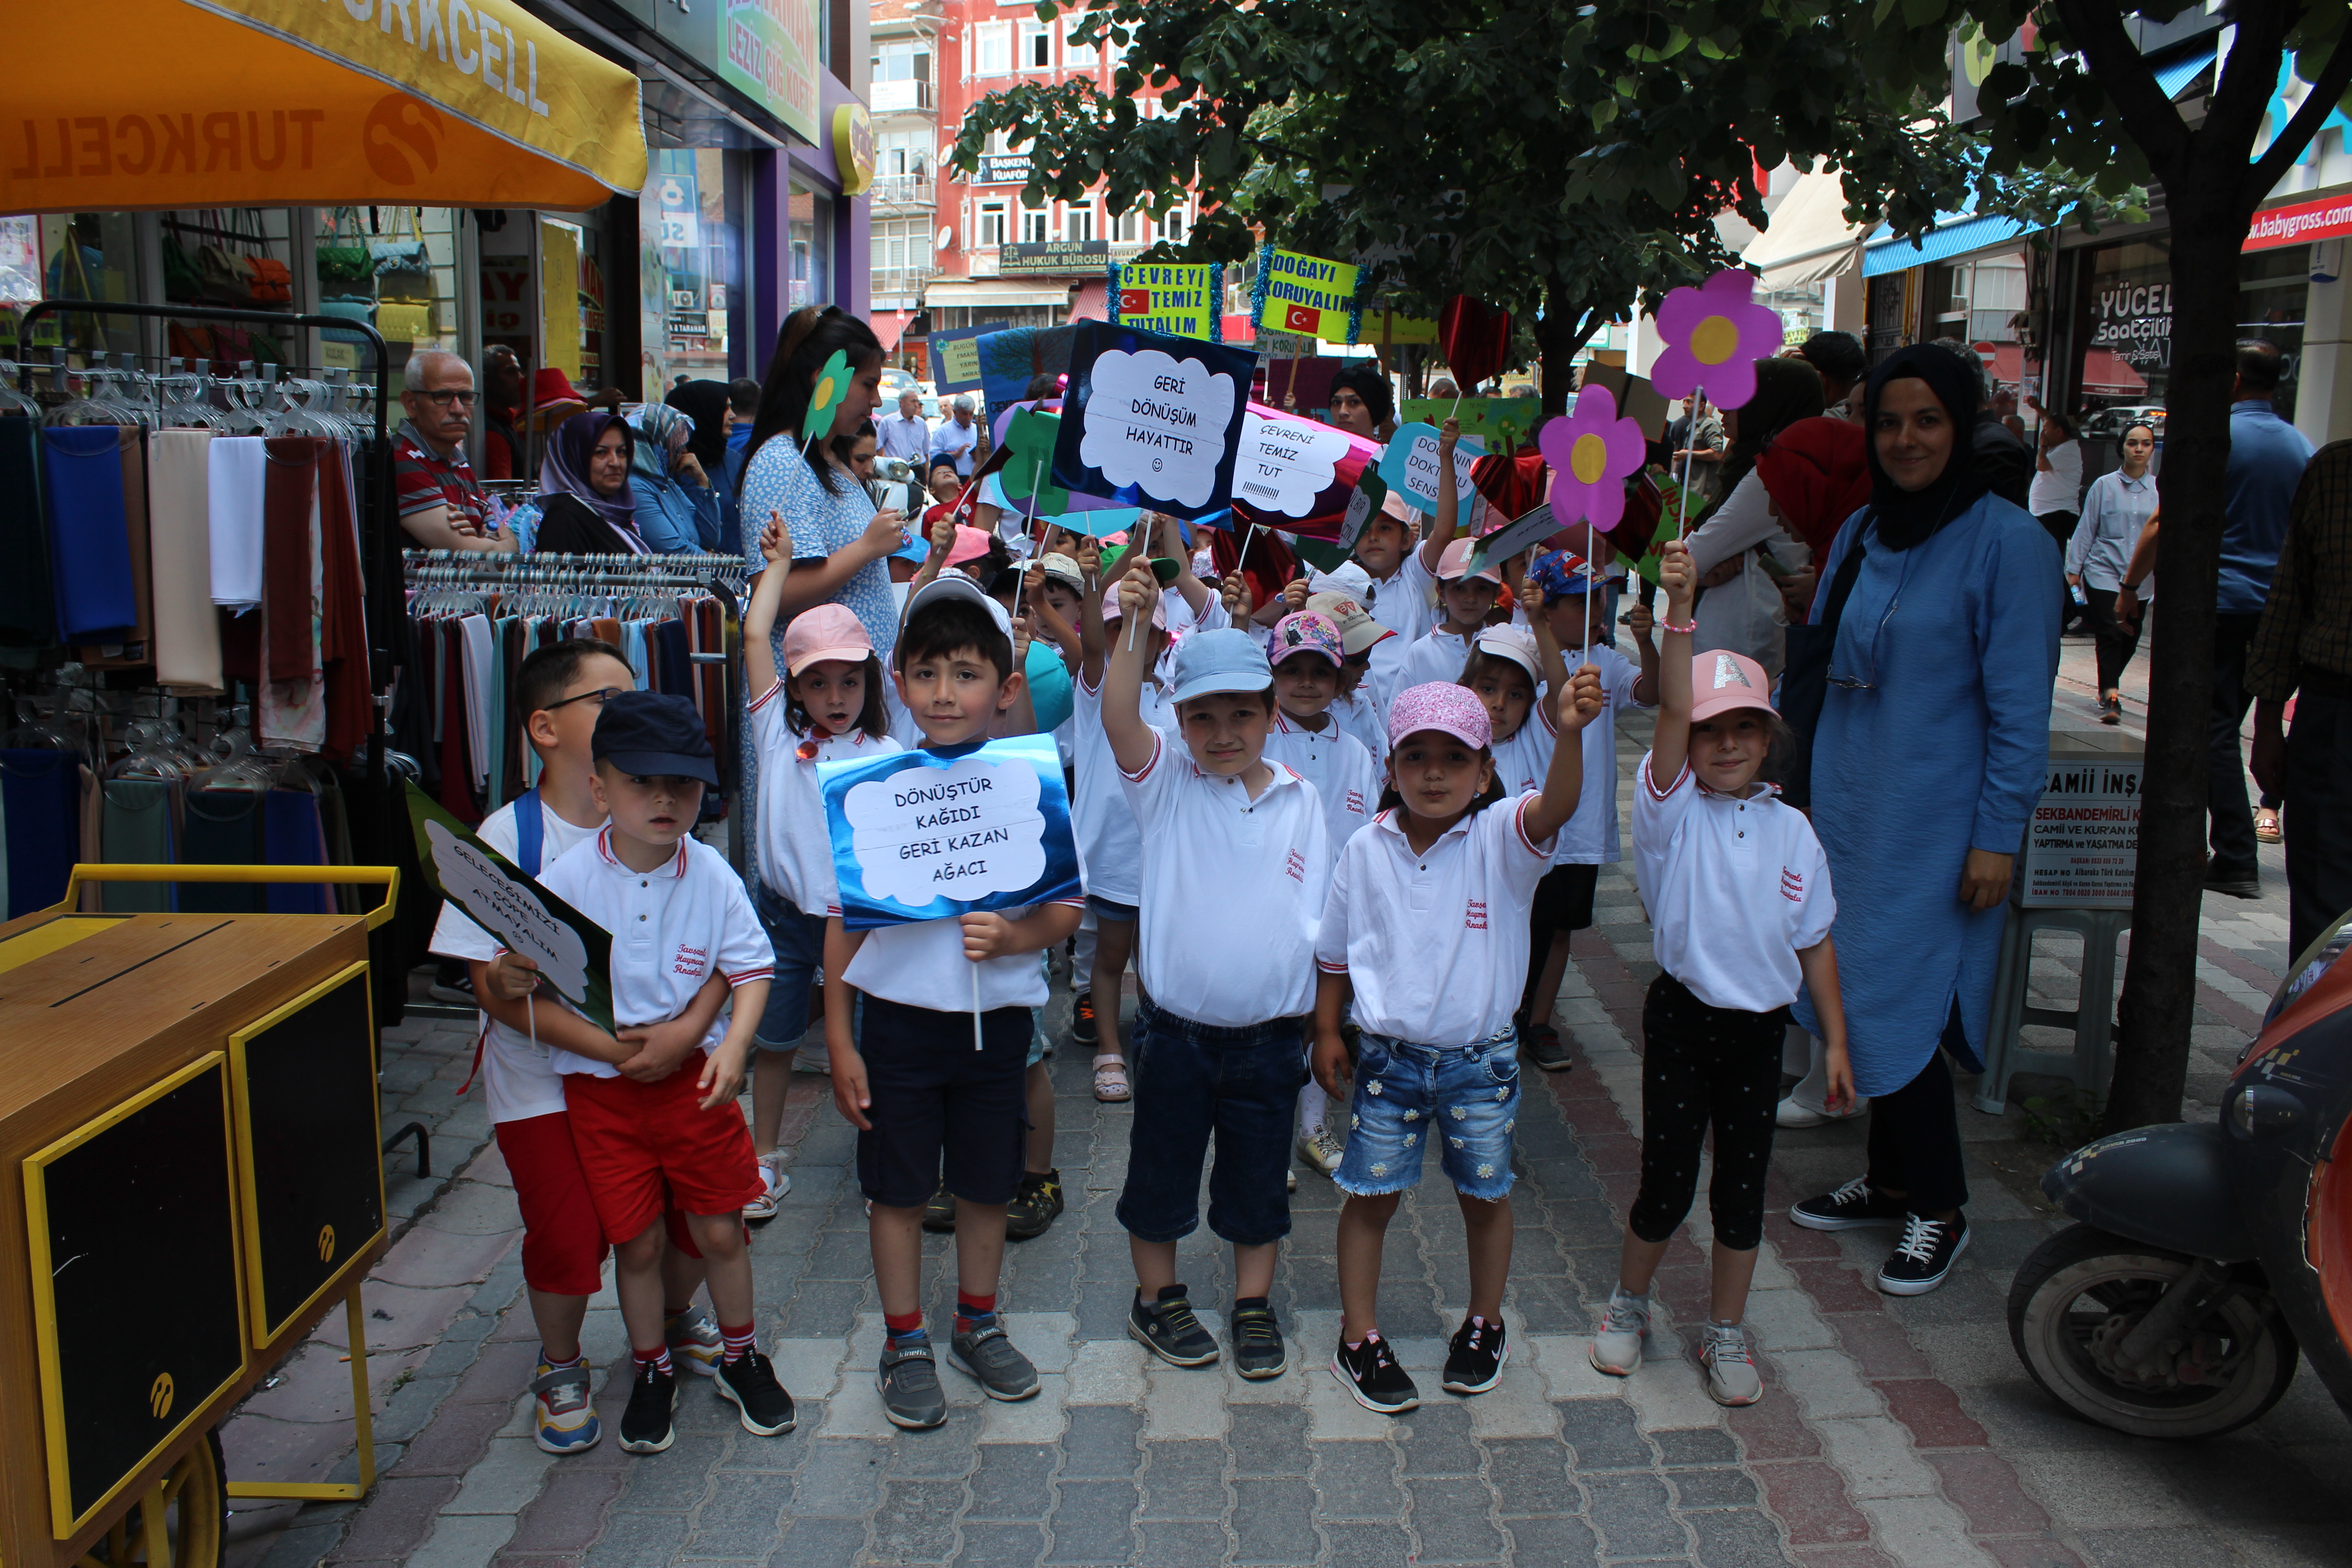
563, 1243
647, 1147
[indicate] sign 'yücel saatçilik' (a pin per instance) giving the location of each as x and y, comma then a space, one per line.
1152, 421
923, 836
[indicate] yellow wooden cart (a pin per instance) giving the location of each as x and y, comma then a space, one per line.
191, 1177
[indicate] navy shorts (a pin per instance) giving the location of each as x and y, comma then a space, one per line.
1110, 909
941, 1111
1193, 1080
799, 940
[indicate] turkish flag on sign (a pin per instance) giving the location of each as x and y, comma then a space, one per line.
1135, 301
1301, 319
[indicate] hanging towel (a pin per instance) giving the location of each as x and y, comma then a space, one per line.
223, 828
477, 673
90, 536
292, 836
179, 542
292, 710
342, 612
136, 830
28, 612
137, 648
43, 793
235, 482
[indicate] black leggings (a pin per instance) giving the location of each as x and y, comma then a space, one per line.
1701, 1064
1915, 1140
2114, 638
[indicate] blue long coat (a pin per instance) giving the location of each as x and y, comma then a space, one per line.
1945, 749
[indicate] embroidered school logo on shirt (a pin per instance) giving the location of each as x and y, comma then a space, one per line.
1356, 801
1792, 885
1474, 917
694, 963
1293, 863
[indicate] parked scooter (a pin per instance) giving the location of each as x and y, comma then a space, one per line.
2207, 1256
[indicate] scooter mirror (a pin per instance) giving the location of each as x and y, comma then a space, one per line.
2264, 1111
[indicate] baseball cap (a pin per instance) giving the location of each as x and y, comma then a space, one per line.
1225, 659
1515, 643
1561, 575
916, 549
825, 631
1358, 630
1454, 564
1439, 705
970, 544
654, 734
1348, 578
1112, 609
1308, 631
956, 585
1061, 567
1722, 681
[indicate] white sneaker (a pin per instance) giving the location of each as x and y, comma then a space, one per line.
1624, 1329
1731, 1374
1321, 1151
778, 1180
1791, 1114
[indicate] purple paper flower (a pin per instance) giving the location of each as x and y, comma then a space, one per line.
1592, 451
1713, 336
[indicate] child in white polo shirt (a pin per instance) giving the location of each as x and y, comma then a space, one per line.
1739, 898
1465, 600
1427, 926
1356, 708
1234, 862
1403, 567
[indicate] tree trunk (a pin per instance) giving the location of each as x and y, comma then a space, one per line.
1561, 332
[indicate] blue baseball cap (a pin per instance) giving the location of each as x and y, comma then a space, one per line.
654, 734
918, 549
1226, 659
1563, 576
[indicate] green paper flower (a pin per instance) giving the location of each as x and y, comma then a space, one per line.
1029, 462
824, 397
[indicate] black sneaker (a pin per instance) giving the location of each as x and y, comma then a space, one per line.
1258, 1349
1854, 1204
1474, 1362
1169, 1328
749, 1383
940, 1213
645, 1424
1084, 1030
1545, 1047
909, 1378
2235, 887
1924, 1254
986, 1354
1035, 1206
1371, 1373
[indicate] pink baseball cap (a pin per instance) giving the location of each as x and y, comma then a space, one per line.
1455, 563
1308, 631
1722, 681
970, 544
1112, 609
1450, 709
822, 632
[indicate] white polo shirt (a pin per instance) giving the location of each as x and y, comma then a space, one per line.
1406, 606
1735, 887
1523, 762
796, 846
1101, 817
1436, 944
672, 929
1439, 656
1233, 891
1360, 714
515, 1071
1588, 838
921, 964
1339, 767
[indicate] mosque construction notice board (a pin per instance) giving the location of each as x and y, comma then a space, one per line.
2082, 844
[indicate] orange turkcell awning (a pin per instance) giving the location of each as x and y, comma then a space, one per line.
194, 103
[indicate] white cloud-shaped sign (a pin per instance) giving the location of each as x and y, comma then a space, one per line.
508, 908
1158, 425
1284, 464
963, 832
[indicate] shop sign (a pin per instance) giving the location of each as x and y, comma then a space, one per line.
2082, 846
2134, 323
2301, 223
768, 48
679, 200
1054, 255
506, 296
853, 148
1002, 169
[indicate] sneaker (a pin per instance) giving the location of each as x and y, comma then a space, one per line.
986, 1354
1084, 1030
1371, 1373
1168, 1328
1258, 1348
1035, 1206
1289, 1180
749, 1383
645, 1424
1474, 1362
1789, 1114
457, 990
909, 1378
2235, 887
695, 1342
776, 1182
940, 1213
1321, 1151
1731, 1374
1545, 1047
1923, 1256
1625, 1330
563, 1421
1855, 1203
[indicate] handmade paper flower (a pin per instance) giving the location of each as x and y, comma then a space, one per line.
1713, 336
1029, 440
824, 397
1592, 451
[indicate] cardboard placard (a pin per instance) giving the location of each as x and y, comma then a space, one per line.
1306, 295
1503, 423
1523, 533
1010, 360
1409, 467
1284, 462
1636, 399
925, 836
1178, 299
1151, 421
956, 357
1362, 507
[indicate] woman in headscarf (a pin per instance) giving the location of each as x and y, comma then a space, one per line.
583, 503
1931, 751
678, 512
707, 404
1739, 547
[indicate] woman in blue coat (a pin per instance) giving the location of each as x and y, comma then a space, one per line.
678, 510
1931, 751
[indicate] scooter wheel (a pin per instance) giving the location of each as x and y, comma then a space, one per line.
2082, 1291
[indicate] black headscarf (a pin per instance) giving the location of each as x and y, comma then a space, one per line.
1787, 390
1905, 518
705, 403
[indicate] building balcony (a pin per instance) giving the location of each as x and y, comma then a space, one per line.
901, 96
895, 191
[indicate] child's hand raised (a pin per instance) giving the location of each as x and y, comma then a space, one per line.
1676, 577
1580, 703
1088, 556
1293, 594
943, 535
1447, 435
1022, 635
1642, 622
1139, 591
775, 540
1235, 596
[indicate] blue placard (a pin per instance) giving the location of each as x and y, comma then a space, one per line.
955, 357
1409, 466
1152, 421
923, 836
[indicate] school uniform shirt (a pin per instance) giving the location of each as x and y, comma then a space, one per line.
516, 1074
1438, 656
672, 929
921, 964
795, 843
1436, 945
1233, 891
1100, 818
1735, 888
1588, 838
1336, 764
1359, 714
1404, 603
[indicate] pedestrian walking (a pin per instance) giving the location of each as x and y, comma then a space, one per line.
2115, 511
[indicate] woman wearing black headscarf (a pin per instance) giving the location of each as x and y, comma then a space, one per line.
1740, 609
706, 402
585, 505
1931, 751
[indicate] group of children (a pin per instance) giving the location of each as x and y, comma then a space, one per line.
1345, 866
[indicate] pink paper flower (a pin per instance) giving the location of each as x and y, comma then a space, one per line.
1592, 452
1713, 336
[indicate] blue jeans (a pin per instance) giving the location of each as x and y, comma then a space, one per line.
1193, 1080
1465, 1099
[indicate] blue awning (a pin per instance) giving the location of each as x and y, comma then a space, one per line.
1956, 237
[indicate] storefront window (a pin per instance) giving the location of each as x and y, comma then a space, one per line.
77, 256
690, 267
395, 267
812, 275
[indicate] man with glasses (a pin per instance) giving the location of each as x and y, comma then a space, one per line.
441, 504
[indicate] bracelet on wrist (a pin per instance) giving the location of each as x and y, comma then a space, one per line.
1686, 627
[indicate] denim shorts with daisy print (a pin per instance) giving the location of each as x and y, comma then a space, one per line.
1463, 1100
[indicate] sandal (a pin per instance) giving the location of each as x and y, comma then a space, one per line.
1110, 1080
2266, 824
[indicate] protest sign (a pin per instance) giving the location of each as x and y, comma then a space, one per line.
956, 357
1502, 423
1637, 398
926, 835
1409, 467
1362, 506
1297, 475
572, 951
1029, 452
1520, 533
1010, 360
1180, 301
1305, 295
1150, 420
